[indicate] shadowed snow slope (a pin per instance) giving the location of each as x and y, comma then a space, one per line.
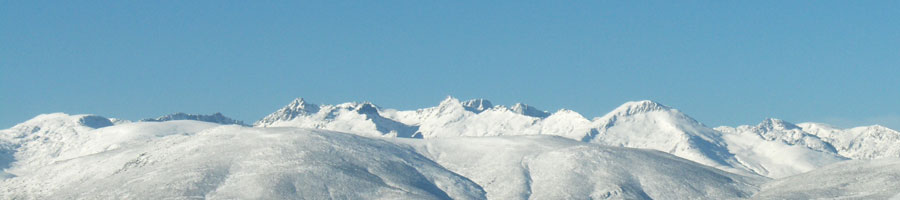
218, 118
855, 179
227, 162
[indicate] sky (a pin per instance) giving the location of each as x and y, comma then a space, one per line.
721, 62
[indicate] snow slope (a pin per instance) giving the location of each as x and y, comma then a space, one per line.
650, 125
228, 162
465, 150
45, 138
776, 148
193, 159
855, 179
549, 167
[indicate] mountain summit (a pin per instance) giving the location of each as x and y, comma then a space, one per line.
296, 108
638, 107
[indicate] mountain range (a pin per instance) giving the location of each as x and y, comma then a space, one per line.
458, 149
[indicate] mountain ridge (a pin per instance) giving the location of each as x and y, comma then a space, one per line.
440, 152
636, 124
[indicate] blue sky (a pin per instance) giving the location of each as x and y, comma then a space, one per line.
722, 62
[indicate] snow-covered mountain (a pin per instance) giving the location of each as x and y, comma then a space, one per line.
781, 131
361, 118
776, 148
193, 159
205, 160
458, 149
650, 125
451, 118
866, 142
47, 138
549, 167
758, 149
217, 118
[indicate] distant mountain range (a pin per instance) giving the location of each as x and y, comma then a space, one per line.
491, 151
639, 124
217, 118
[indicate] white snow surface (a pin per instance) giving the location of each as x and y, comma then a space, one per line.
193, 159
550, 167
190, 159
776, 148
456, 150
855, 179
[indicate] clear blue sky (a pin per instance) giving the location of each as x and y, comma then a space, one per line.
722, 62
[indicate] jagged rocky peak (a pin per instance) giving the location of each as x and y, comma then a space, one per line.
638, 107
300, 106
450, 100
367, 108
776, 124
477, 105
296, 108
527, 110
218, 118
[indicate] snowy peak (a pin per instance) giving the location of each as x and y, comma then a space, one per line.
363, 118
65, 120
527, 110
297, 107
646, 108
638, 107
218, 118
651, 125
300, 105
770, 124
477, 105
777, 130
865, 142
450, 103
